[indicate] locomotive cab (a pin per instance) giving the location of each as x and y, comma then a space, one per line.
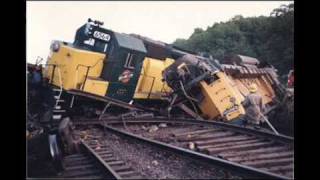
123, 67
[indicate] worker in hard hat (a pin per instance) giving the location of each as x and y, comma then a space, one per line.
254, 107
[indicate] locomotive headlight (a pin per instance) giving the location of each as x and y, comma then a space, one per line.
55, 46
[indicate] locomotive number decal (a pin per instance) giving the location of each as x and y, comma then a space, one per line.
125, 76
121, 91
101, 35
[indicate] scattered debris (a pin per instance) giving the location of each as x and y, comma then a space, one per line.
128, 115
163, 125
98, 147
191, 145
153, 128
155, 162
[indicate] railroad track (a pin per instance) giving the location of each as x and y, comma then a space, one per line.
82, 165
261, 154
96, 161
154, 161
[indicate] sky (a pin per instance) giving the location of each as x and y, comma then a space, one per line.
159, 20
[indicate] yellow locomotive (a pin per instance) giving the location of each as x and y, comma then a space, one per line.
131, 67
106, 63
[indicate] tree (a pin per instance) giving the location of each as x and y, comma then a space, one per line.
269, 38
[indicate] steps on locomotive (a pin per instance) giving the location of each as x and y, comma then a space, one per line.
58, 112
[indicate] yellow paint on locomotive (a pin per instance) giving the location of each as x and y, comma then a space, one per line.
217, 98
264, 86
96, 86
150, 81
71, 63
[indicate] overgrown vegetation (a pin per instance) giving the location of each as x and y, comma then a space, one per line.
268, 39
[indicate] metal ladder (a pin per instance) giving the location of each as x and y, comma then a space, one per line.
58, 111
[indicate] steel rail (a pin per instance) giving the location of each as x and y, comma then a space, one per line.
110, 171
227, 126
230, 166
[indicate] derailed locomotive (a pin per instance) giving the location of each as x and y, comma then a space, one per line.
130, 68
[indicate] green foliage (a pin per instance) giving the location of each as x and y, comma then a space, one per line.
269, 39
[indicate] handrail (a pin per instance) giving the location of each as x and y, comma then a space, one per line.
53, 70
151, 87
60, 78
77, 76
86, 76
153, 80
88, 68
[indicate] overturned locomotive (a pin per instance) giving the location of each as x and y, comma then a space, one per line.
129, 68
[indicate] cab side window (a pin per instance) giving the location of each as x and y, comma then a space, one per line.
130, 61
